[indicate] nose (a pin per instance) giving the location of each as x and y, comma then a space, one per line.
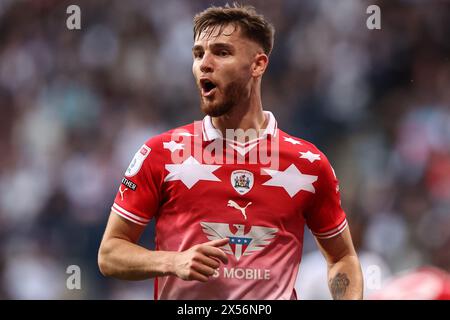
206, 64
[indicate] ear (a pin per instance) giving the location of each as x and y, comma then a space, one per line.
259, 65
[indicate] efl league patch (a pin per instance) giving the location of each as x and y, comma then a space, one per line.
242, 181
137, 161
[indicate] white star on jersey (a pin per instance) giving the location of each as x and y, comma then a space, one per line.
293, 141
191, 171
172, 146
186, 134
292, 180
310, 156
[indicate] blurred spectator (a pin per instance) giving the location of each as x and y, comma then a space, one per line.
312, 277
426, 283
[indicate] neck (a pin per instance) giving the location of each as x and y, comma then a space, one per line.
246, 115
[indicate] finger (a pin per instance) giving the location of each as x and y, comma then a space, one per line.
217, 242
203, 269
194, 275
214, 253
210, 262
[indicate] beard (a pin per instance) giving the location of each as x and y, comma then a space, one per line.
232, 94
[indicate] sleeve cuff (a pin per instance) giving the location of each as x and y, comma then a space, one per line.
129, 216
332, 233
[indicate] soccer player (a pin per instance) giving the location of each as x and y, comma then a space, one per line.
230, 194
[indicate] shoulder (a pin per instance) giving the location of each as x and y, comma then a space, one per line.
307, 155
159, 142
305, 149
156, 151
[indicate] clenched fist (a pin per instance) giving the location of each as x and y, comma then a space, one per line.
200, 261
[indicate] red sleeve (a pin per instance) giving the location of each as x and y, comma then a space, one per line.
325, 217
138, 196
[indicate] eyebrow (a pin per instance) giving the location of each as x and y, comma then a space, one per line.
219, 45
197, 48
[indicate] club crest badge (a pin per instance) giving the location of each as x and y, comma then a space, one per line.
242, 181
137, 161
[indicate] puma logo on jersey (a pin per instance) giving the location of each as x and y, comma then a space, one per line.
122, 192
233, 204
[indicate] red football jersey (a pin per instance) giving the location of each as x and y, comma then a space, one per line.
201, 186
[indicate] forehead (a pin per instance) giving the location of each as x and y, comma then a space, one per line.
229, 33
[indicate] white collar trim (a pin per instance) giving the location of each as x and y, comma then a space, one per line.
211, 133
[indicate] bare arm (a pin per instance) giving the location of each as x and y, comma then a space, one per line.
119, 256
345, 278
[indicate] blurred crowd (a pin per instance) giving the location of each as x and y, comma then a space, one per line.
77, 104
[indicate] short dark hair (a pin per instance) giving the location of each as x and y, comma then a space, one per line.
253, 25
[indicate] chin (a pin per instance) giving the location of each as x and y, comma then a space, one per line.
215, 109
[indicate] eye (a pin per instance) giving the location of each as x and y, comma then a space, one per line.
198, 55
223, 53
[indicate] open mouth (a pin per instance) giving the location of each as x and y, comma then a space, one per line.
207, 87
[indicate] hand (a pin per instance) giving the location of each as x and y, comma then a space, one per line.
200, 261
